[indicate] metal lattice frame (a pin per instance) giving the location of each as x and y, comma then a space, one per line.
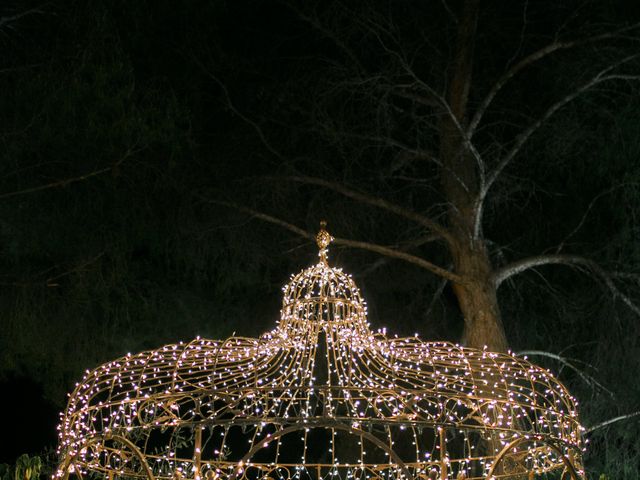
320, 396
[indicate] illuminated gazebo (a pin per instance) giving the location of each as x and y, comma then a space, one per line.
320, 396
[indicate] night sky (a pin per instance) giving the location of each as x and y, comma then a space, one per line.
163, 164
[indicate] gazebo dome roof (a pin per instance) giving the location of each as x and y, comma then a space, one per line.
258, 407
322, 296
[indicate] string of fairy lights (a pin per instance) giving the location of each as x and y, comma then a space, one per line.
320, 396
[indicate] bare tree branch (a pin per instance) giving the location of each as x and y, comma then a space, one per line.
315, 22
406, 91
53, 280
600, 425
570, 260
461, 130
377, 202
521, 139
390, 252
586, 214
447, 8
57, 183
372, 247
466, 141
391, 142
436, 295
7, 20
527, 263
401, 247
635, 277
588, 379
530, 59
68, 181
231, 105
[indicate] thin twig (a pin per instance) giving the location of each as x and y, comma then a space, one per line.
231, 105
52, 281
12, 18
436, 295
68, 181
586, 214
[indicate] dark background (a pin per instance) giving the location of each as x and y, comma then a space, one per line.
126, 126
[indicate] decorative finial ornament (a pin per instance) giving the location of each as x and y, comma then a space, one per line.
323, 239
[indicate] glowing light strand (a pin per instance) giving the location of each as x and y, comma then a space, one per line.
320, 396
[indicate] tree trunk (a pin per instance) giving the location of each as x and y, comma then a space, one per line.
478, 301
460, 183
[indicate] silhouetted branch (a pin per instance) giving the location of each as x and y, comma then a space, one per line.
586, 214
52, 281
402, 247
575, 261
68, 181
521, 139
442, 102
529, 60
7, 20
436, 295
588, 379
372, 247
239, 114
600, 425
315, 22
376, 202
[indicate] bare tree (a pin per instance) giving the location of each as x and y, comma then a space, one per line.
435, 115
